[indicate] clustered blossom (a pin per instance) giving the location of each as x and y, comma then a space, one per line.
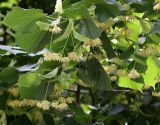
127, 18
56, 57
43, 104
65, 60
156, 94
81, 83
55, 29
133, 74
157, 6
113, 78
112, 69
93, 43
103, 26
47, 56
61, 106
59, 102
107, 25
58, 7
62, 103
147, 51
13, 91
74, 56
22, 103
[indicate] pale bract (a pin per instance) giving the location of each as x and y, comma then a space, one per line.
157, 6
58, 7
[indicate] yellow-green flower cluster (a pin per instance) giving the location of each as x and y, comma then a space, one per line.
107, 25
62, 103
147, 51
133, 74
43, 104
81, 83
103, 26
22, 103
112, 69
93, 43
55, 29
127, 18
13, 91
59, 102
156, 94
56, 57
113, 78
157, 6
114, 72
74, 56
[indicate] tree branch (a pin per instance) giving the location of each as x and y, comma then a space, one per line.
92, 97
78, 94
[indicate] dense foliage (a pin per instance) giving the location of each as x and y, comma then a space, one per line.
86, 62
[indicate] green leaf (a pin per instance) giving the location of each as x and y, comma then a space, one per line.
60, 42
128, 83
28, 35
51, 74
92, 73
4, 100
155, 28
39, 92
88, 27
146, 27
127, 53
139, 60
33, 42
22, 119
22, 20
105, 10
43, 26
66, 79
83, 118
9, 75
134, 30
150, 75
86, 108
79, 36
76, 11
66, 33
29, 80
155, 38
122, 44
106, 44
48, 118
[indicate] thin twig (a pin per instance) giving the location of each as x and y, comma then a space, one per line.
114, 90
92, 97
78, 94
